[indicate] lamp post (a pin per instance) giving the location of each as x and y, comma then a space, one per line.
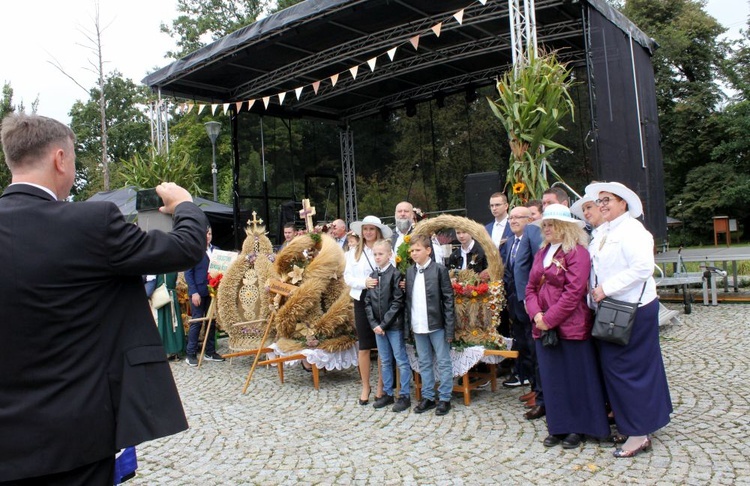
212, 129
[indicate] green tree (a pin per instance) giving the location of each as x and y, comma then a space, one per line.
200, 20
6, 108
128, 131
685, 67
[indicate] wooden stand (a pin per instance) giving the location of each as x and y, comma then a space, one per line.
207, 319
465, 386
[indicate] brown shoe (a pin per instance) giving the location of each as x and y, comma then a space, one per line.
527, 396
535, 413
531, 403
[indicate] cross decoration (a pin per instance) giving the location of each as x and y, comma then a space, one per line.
306, 213
255, 221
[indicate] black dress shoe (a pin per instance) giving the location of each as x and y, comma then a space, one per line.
442, 408
572, 441
551, 441
383, 401
535, 413
424, 405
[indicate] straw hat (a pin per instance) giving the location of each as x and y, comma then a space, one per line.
560, 213
372, 221
635, 207
577, 208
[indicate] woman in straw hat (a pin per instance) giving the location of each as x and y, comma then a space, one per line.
359, 265
623, 265
556, 303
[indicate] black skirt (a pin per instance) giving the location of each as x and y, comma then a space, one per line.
365, 334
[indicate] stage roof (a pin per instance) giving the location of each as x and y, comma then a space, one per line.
314, 40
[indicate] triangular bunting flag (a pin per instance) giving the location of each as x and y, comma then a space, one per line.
213, 108
238, 106
354, 71
298, 92
200, 108
483, 2
189, 107
266, 100
415, 41
334, 79
250, 104
459, 16
436, 29
226, 107
281, 97
315, 86
371, 63
392, 53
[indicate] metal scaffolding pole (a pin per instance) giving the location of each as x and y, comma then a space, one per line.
347, 167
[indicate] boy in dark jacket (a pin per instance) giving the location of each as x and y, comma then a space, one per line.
384, 305
429, 311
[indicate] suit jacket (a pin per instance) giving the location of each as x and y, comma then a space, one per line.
477, 259
384, 303
84, 372
197, 277
439, 293
516, 276
507, 233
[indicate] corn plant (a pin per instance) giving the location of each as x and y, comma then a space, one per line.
533, 100
151, 171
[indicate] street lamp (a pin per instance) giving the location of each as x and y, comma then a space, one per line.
212, 129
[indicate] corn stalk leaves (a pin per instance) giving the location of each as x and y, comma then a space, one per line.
532, 102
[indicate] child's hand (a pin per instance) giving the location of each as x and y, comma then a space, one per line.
402, 284
370, 283
448, 340
379, 330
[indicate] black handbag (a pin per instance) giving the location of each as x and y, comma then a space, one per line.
549, 338
614, 320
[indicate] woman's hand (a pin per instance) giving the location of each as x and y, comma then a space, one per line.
598, 294
370, 283
539, 321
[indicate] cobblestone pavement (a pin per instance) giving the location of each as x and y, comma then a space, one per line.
292, 434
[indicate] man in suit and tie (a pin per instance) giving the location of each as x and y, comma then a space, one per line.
521, 248
197, 282
338, 232
84, 372
498, 228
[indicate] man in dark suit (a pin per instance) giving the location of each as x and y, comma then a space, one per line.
197, 282
520, 250
84, 372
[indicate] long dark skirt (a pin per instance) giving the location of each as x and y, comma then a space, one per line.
635, 378
573, 389
365, 334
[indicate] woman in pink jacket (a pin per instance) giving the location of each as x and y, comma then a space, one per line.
556, 303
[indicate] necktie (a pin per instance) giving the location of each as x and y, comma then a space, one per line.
514, 250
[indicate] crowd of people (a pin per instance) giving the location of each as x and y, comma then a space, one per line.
83, 353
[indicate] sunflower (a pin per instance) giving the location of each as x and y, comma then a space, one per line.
519, 187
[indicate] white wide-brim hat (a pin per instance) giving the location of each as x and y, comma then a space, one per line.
635, 207
372, 221
560, 213
577, 208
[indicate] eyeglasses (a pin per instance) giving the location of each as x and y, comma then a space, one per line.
518, 218
603, 201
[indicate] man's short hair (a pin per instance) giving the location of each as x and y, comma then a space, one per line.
560, 194
535, 203
26, 137
289, 225
500, 194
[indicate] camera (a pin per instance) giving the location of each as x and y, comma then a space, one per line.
147, 204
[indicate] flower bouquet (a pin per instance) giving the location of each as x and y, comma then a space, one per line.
403, 255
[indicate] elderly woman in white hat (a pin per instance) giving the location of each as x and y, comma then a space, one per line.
360, 263
623, 266
556, 303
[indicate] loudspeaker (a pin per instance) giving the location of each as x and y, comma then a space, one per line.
478, 188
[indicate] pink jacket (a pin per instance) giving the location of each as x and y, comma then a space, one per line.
562, 296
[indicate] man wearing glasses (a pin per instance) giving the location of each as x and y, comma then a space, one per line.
499, 229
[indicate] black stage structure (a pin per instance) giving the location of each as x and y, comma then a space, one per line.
317, 39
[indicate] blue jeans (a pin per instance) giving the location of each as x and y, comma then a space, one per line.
392, 346
193, 344
433, 346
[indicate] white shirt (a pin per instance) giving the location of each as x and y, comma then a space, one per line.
498, 228
550, 254
399, 239
419, 322
356, 272
48, 191
464, 255
624, 260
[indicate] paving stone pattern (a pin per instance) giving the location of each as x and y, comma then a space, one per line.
292, 434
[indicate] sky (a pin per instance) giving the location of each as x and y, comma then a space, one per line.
35, 33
